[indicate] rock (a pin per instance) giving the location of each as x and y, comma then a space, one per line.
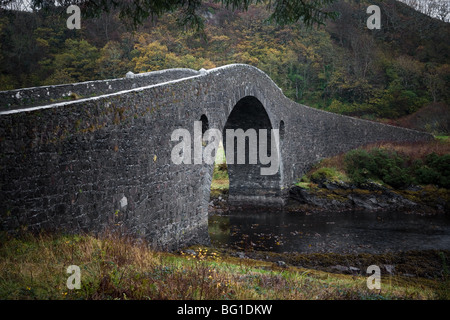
373, 200
331, 185
372, 186
369, 196
281, 264
190, 252
340, 268
299, 194
304, 197
354, 269
408, 203
362, 202
241, 255
335, 185
389, 268
408, 275
414, 188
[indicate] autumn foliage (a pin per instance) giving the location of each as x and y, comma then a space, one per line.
342, 67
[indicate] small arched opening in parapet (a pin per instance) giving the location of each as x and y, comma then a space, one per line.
252, 155
281, 132
205, 123
219, 181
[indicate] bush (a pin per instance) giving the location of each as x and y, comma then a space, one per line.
377, 164
325, 173
322, 174
220, 171
435, 170
397, 177
393, 169
359, 166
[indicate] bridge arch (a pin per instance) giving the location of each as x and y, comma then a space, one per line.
246, 129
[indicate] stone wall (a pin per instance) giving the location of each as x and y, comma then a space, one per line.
29, 97
104, 162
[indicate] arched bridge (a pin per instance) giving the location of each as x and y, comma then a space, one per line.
105, 159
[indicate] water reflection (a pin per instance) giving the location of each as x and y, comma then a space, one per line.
339, 232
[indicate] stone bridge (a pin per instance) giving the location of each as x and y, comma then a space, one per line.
103, 160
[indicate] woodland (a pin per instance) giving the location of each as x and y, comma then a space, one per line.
398, 74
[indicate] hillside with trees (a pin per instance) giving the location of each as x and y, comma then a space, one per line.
398, 74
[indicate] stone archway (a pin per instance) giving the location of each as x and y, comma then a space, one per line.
249, 158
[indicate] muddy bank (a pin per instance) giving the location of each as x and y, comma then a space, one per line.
429, 264
414, 265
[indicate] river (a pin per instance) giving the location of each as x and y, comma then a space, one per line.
329, 232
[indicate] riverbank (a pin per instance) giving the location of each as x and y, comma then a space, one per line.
414, 264
408, 177
113, 267
342, 196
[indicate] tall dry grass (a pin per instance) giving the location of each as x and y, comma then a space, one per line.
115, 267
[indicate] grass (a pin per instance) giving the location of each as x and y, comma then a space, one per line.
220, 182
112, 267
443, 138
220, 155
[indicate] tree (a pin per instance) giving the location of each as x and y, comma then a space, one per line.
155, 56
436, 79
76, 63
114, 61
135, 12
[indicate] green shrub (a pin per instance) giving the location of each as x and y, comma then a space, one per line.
322, 174
426, 175
377, 164
394, 169
397, 177
325, 173
391, 168
220, 171
359, 165
435, 170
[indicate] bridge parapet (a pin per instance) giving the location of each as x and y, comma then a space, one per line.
35, 96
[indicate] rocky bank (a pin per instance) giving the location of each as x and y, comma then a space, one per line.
339, 195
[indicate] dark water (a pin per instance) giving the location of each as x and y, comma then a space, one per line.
339, 232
